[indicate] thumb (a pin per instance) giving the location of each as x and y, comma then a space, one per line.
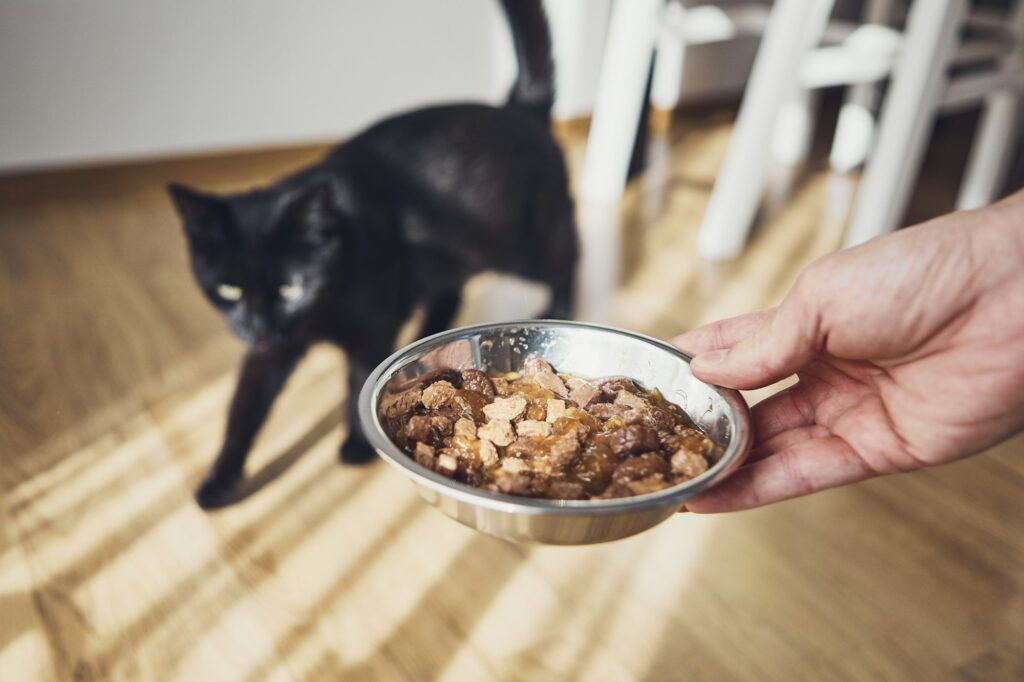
782, 345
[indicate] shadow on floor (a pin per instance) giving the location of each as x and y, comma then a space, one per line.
280, 464
54, 597
426, 641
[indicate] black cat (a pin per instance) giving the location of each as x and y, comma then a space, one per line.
400, 215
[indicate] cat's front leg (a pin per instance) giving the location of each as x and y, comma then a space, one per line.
356, 449
261, 379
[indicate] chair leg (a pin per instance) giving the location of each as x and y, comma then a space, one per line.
855, 129
740, 181
995, 141
670, 59
794, 132
991, 151
919, 78
791, 141
632, 31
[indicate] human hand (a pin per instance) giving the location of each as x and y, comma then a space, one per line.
909, 352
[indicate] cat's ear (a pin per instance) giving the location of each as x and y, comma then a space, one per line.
204, 216
313, 211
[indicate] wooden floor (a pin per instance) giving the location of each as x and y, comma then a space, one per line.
114, 375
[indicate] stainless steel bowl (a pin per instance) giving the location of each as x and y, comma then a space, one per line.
586, 350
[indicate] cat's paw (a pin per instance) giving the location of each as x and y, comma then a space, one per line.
357, 451
217, 492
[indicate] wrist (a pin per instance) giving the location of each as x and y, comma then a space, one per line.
996, 236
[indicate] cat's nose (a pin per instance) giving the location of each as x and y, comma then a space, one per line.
259, 329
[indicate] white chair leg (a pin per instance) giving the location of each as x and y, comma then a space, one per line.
855, 133
908, 112
995, 141
667, 82
577, 35
855, 128
794, 132
991, 152
598, 270
632, 31
737, 189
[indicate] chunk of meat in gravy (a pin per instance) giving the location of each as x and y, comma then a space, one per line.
442, 422
584, 394
572, 383
452, 376
487, 452
640, 466
565, 490
437, 395
524, 448
688, 439
515, 484
511, 465
509, 408
615, 490
465, 427
498, 431
418, 428
607, 410
642, 411
469, 460
633, 438
475, 380
397, 405
539, 371
447, 464
555, 410
688, 463
502, 386
425, 455
563, 450
656, 418
627, 399
474, 452
530, 427
610, 387
651, 484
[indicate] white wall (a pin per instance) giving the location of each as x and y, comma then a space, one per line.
85, 81
94, 80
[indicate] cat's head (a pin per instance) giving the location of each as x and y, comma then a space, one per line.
262, 258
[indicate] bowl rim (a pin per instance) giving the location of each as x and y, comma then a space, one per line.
735, 452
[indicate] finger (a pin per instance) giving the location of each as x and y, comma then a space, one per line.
721, 334
784, 411
783, 344
800, 469
778, 443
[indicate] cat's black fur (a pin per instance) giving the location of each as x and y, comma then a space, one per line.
400, 215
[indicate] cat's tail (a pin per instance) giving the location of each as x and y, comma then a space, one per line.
534, 87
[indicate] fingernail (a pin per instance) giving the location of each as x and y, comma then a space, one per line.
713, 357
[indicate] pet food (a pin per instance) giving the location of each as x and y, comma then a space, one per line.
538, 433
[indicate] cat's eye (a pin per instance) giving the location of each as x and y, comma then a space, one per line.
291, 292
229, 292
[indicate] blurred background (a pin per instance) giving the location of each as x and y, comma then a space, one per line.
85, 85
715, 149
